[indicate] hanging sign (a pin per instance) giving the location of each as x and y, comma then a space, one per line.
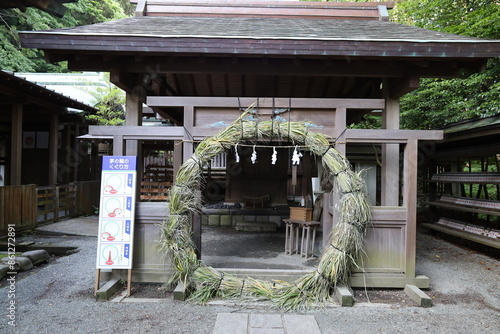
116, 212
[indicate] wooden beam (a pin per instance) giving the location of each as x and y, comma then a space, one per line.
232, 102
123, 79
287, 65
390, 136
403, 86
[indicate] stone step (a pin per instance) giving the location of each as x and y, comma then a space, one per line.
256, 226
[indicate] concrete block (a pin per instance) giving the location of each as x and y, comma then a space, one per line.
258, 320
299, 324
37, 257
236, 219
21, 263
4, 269
262, 218
180, 292
418, 295
108, 289
234, 323
276, 219
214, 220
344, 296
204, 219
249, 218
225, 220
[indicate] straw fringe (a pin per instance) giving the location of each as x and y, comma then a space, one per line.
338, 258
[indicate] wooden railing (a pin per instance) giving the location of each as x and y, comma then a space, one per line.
27, 206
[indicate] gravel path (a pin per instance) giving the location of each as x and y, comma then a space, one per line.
58, 298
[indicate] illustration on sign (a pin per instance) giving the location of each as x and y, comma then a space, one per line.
116, 218
115, 230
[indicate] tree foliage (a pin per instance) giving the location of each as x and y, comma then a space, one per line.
442, 101
82, 12
109, 101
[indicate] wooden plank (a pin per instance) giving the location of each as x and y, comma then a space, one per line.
136, 131
29, 205
472, 202
462, 208
473, 178
388, 214
465, 235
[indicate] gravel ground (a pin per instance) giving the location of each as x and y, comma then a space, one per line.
58, 298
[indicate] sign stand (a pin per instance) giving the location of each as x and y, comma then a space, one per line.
116, 216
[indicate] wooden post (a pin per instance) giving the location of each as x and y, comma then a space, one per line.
53, 149
340, 126
390, 156
196, 225
188, 146
97, 279
410, 202
118, 145
129, 282
16, 145
177, 156
133, 116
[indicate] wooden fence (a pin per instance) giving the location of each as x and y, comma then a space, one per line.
17, 207
27, 206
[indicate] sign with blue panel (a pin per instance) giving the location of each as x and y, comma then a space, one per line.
117, 212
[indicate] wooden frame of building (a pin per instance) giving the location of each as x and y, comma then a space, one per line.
197, 64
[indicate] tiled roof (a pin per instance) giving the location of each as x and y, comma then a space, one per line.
262, 28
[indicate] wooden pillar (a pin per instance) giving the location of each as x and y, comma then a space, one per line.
53, 148
390, 157
177, 157
118, 145
340, 146
340, 126
327, 218
133, 117
188, 146
410, 202
16, 145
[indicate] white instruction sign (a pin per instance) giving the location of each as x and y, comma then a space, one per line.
116, 212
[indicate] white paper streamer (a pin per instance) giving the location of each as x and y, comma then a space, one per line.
254, 155
236, 153
274, 157
296, 156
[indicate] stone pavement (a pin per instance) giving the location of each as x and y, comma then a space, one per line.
84, 226
254, 323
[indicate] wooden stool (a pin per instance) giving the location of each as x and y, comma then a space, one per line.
307, 245
292, 228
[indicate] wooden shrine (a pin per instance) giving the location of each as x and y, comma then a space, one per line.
197, 65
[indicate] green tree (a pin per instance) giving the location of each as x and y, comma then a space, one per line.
442, 101
110, 101
83, 12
